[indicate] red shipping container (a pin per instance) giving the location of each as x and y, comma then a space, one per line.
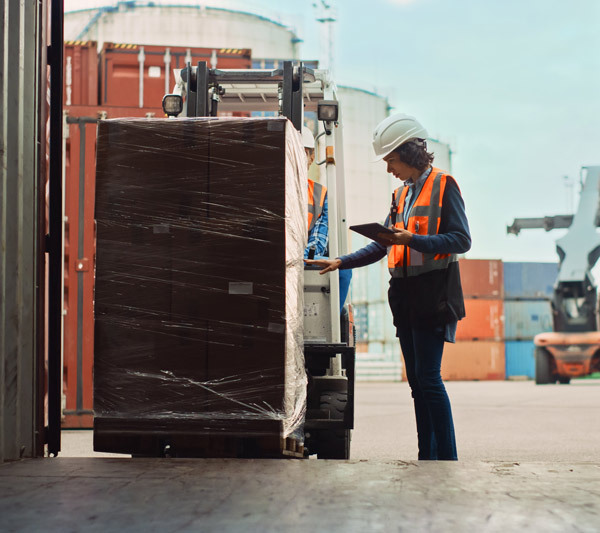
80, 73
80, 176
482, 278
484, 320
473, 360
121, 64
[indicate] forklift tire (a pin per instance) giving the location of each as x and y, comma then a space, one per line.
334, 443
543, 369
564, 380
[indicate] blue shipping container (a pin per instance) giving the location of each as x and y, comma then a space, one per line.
529, 280
361, 322
524, 319
520, 359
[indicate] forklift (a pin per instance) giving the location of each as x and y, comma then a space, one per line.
329, 333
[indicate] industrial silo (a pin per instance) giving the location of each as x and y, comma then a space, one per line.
181, 25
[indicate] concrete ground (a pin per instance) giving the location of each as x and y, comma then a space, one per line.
529, 460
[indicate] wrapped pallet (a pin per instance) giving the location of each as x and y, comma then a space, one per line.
201, 228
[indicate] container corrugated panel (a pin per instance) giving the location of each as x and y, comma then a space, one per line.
484, 320
529, 280
80, 73
481, 278
120, 65
520, 359
361, 322
376, 321
473, 361
378, 371
375, 278
524, 319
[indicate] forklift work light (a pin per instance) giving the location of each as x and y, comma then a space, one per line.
327, 110
172, 104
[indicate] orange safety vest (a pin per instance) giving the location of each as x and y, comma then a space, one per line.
315, 209
423, 219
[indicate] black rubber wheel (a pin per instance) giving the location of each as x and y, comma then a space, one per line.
543, 369
564, 380
334, 443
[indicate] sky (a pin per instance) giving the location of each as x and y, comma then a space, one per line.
512, 85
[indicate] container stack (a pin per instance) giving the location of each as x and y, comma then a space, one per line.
528, 289
478, 353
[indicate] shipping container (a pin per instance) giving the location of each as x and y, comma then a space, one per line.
80, 73
481, 278
524, 281
484, 320
121, 64
472, 361
376, 321
361, 322
520, 359
378, 370
524, 319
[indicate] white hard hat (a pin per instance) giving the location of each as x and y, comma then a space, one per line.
308, 140
395, 130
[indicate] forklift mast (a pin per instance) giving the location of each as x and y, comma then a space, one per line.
574, 301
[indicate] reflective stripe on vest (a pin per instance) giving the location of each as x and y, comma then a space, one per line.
318, 191
423, 219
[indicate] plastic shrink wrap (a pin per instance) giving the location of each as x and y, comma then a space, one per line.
201, 228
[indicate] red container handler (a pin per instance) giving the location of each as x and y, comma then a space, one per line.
80, 176
80, 85
484, 320
482, 278
140, 75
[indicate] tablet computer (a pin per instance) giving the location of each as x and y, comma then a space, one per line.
371, 230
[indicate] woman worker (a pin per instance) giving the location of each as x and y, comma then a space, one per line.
430, 227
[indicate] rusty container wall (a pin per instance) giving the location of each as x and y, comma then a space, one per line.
80, 156
482, 278
473, 360
120, 66
484, 320
80, 73
80, 172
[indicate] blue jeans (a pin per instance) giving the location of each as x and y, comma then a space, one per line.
422, 350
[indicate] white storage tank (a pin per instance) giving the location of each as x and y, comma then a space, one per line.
181, 25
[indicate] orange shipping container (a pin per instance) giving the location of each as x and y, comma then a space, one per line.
482, 278
484, 320
473, 360
80, 85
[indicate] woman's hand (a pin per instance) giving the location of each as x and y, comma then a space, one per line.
400, 236
328, 265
